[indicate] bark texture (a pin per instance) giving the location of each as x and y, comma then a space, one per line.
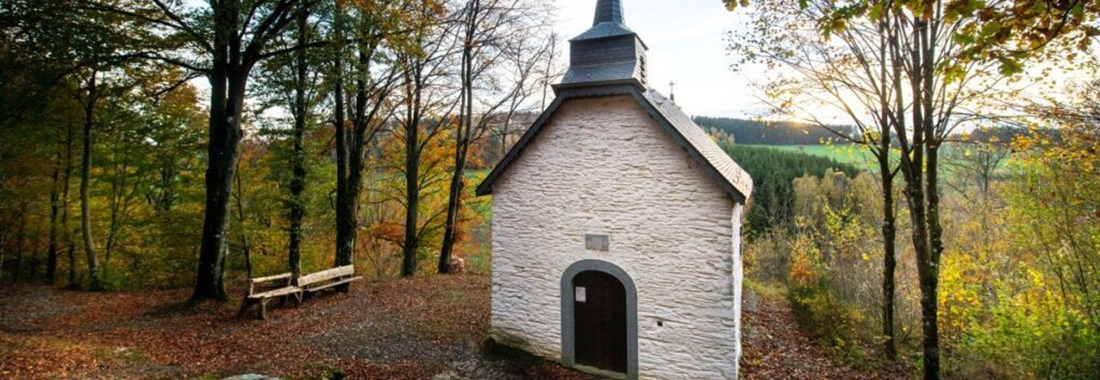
95, 283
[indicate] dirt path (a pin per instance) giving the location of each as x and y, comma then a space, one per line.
773, 346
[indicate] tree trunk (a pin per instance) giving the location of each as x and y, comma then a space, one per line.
120, 201
227, 82
462, 145
889, 218
298, 179
918, 168
19, 245
889, 258
454, 204
357, 139
347, 204
246, 248
412, 194
412, 187
928, 264
66, 232
94, 281
51, 254
225, 137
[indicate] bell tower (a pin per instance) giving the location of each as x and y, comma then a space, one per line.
608, 53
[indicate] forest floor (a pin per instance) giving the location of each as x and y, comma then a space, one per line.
774, 347
400, 329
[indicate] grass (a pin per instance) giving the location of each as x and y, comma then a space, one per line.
845, 154
862, 158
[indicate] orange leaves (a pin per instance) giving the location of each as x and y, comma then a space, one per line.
802, 271
388, 231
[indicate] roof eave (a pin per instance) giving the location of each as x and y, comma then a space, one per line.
632, 81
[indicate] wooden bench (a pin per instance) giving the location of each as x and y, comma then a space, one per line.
328, 278
281, 291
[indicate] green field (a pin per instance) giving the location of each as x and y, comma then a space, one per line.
862, 159
847, 154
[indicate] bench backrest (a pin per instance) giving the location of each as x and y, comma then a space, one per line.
327, 274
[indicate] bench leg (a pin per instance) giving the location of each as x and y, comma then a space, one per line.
263, 308
245, 304
297, 299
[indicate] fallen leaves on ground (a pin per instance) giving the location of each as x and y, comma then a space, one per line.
773, 346
398, 329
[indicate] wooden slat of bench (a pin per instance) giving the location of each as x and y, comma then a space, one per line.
327, 285
277, 292
270, 278
328, 274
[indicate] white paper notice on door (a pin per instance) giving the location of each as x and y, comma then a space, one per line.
580, 294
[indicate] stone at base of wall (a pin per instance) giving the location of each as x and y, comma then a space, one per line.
500, 344
600, 372
501, 338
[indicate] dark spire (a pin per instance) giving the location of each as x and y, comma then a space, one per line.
608, 11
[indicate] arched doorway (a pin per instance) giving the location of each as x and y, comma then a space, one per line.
599, 318
599, 314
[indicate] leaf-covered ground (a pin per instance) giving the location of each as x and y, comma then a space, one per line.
773, 346
399, 329
402, 329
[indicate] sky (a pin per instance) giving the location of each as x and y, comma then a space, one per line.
687, 44
686, 40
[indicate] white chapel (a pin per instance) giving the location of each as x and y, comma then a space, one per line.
616, 225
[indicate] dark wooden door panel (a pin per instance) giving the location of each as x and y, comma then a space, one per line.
600, 321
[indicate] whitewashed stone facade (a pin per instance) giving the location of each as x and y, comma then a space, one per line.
616, 225
603, 165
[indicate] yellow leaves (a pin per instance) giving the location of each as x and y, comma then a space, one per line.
1036, 278
802, 271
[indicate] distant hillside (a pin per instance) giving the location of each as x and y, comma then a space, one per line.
756, 132
1004, 134
772, 171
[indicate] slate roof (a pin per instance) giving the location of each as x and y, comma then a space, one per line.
604, 30
586, 75
609, 11
712, 154
609, 21
733, 180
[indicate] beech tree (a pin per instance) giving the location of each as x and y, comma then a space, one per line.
848, 73
422, 115
224, 42
926, 59
363, 58
498, 40
290, 83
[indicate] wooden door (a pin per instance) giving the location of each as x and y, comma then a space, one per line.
599, 312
